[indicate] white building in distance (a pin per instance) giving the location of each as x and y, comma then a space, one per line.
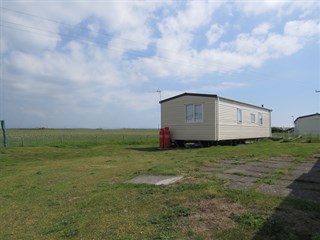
307, 125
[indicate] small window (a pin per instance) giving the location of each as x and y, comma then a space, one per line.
253, 118
239, 116
194, 113
198, 112
189, 113
260, 119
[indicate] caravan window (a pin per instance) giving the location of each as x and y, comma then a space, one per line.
260, 119
253, 118
239, 115
194, 113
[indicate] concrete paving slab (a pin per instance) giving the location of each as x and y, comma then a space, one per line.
290, 177
240, 185
270, 164
302, 180
224, 165
276, 190
155, 180
306, 194
309, 178
236, 177
207, 168
311, 160
232, 161
302, 177
297, 185
305, 185
307, 167
296, 172
256, 169
282, 183
202, 173
282, 159
245, 173
279, 190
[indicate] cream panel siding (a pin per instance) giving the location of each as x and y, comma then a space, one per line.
219, 119
229, 128
173, 115
308, 125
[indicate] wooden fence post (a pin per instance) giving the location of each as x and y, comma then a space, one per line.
3, 127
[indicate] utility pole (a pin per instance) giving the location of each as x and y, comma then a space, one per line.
3, 127
159, 92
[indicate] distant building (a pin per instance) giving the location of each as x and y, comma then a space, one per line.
309, 124
211, 118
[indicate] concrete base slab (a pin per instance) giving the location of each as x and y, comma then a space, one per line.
240, 185
224, 165
246, 173
307, 195
155, 180
239, 178
256, 169
270, 164
276, 190
202, 173
282, 159
307, 167
207, 168
299, 179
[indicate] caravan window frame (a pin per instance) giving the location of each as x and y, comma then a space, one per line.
194, 113
260, 118
239, 116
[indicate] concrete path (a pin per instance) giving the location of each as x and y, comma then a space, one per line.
279, 175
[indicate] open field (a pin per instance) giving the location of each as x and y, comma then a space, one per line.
77, 188
58, 137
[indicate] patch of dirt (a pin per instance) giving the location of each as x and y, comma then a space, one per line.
210, 216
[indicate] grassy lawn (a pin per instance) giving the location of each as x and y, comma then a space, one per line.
77, 190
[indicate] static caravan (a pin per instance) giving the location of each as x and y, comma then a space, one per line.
309, 124
210, 118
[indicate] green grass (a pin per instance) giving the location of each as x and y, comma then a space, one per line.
77, 189
78, 137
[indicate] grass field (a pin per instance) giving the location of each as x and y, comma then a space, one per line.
58, 137
76, 188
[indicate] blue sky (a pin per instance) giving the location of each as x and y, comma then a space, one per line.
98, 64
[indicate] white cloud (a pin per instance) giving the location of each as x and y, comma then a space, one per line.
28, 34
195, 15
262, 29
111, 74
214, 33
273, 45
94, 28
282, 8
263, 6
219, 87
303, 29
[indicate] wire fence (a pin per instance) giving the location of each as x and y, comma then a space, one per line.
60, 137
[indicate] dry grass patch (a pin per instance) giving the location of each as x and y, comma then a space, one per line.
209, 217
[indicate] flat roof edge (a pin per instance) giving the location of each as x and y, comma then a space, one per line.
189, 94
311, 115
213, 96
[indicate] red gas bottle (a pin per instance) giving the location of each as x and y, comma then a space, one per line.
161, 137
167, 138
